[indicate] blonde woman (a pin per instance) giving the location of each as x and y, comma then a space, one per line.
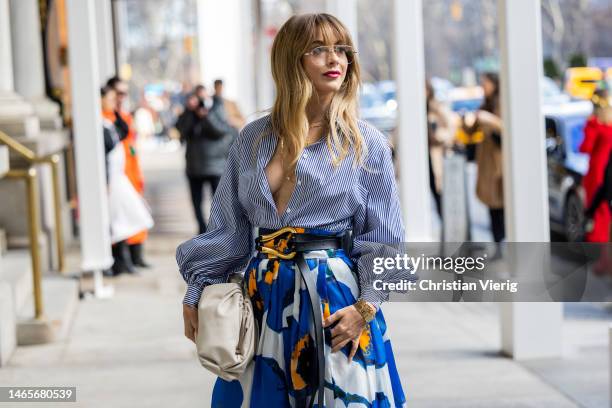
307, 191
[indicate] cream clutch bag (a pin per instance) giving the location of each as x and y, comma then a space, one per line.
227, 334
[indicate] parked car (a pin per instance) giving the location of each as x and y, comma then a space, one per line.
552, 94
375, 109
566, 167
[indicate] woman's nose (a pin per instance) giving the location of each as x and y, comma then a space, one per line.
332, 57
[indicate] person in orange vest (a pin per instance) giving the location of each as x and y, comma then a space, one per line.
124, 123
128, 212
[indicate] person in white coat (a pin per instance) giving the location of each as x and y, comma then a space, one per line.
128, 211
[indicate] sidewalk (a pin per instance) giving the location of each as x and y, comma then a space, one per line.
129, 351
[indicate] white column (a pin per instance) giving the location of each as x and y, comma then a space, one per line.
226, 49
28, 68
120, 32
6, 67
263, 70
529, 330
345, 11
11, 104
106, 46
4, 165
246, 60
27, 48
88, 137
412, 150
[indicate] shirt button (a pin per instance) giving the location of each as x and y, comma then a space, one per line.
288, 210
299, 182
305, 155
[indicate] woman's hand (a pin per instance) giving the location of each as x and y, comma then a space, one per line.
190, 318
488, 121
349, 326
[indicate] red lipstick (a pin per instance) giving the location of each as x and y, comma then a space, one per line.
332, 74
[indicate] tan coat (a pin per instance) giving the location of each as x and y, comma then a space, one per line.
234, 117
489, 183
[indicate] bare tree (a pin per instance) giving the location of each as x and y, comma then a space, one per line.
489, 26
375, 39
554, 27
600, 29
576, 17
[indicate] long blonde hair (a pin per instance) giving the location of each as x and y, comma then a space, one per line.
294, 89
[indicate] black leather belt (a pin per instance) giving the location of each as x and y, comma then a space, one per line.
297, 243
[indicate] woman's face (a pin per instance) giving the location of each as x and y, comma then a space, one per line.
488, 86
109, 101
327, 70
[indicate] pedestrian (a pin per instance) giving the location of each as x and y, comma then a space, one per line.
124, 123
166, 118
188, 117
597, 143
208, 137
489, 182
440, 134
145, 119
603, 195
306, 180
234, 116
205, 99
127, 211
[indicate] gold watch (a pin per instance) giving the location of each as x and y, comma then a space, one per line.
365, 310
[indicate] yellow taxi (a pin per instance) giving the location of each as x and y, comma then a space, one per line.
581, 82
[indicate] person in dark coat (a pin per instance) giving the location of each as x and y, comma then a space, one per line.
208, 136
188, 118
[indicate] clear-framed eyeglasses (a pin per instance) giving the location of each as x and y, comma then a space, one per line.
345, 52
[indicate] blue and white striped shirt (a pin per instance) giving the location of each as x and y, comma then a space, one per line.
333, 199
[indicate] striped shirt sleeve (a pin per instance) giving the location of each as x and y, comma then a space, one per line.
225, 246
382, 232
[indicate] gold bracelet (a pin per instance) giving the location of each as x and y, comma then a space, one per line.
365, 310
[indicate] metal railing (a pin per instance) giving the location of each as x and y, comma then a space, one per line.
30, 175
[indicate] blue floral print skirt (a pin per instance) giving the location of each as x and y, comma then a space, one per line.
283, 372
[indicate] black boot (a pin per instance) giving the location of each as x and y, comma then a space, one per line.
137, 258
127, 258
118, 265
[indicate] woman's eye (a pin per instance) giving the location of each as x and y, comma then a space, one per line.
341, 50
317, 51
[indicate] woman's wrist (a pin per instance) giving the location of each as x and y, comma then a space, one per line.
365, 309
193, 294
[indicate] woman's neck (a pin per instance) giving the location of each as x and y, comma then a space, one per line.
317, 107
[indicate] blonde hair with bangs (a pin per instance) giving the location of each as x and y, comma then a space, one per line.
294, 89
